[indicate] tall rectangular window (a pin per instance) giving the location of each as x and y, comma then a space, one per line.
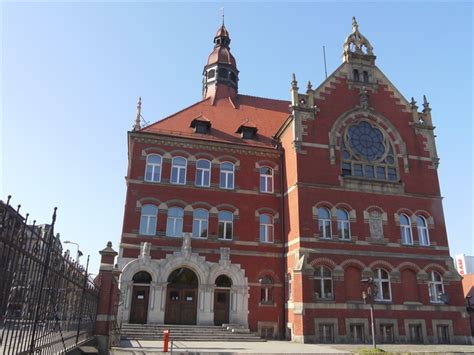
226, 177
178, 171
266, 179
326, 333
225, 225
203, 173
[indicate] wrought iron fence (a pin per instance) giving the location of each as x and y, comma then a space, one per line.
47, 301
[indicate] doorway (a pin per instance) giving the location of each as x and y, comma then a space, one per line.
222, 300
181, 297
140, 292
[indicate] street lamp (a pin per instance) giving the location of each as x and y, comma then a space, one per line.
369, 296
79, 253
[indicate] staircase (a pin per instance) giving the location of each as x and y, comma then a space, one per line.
226, 332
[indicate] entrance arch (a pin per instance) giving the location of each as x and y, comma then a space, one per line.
222, 300
181, 297
141, 290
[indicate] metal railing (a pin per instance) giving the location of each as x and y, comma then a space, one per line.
47, 301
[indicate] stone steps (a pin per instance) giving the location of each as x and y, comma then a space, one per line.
227, 332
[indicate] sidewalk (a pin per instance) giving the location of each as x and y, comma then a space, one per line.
150, 347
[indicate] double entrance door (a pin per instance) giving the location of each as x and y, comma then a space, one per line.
181, 306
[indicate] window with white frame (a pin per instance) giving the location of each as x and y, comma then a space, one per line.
266, 228
266, 179
422, 227
324, 221
382, 282
405, 229
203, 173
148, 219
200, 223
178, 170
266, 290
435, 287
323, 283
225, 225
226, 176
153, 168
174, 223
343, 225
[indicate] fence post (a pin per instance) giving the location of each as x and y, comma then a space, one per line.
106, 312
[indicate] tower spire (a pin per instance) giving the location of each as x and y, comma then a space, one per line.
357, 45
220, 73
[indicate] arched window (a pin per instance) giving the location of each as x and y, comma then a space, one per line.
422, 227
174, 224
227, 175
266, 228
148, 219
153, 168
266, 179
323, 283
266, 290
142, 277
178, 171
355, 73
365, 75
382, 282
223, 281
203, 173
405, 229
435, 287
367, 153
324, 221
200, 223
225, 225
211, 73
343, 226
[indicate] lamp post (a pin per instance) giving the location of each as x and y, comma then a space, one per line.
369, 296
79, 253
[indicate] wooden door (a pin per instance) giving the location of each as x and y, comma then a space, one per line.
221, 306
139, 308
181, 306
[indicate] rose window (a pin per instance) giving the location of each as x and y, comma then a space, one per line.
367, 153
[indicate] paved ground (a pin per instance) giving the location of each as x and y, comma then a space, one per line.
149, 347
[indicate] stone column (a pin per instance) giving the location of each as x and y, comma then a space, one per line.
205, 309
108, 298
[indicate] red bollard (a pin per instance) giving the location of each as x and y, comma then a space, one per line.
166, 339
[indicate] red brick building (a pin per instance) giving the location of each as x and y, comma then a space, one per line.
275, 214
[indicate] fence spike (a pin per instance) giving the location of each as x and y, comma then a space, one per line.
8, 199
18, 209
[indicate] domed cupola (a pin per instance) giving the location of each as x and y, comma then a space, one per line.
220, 73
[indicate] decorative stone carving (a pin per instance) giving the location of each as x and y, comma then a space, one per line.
376, 225
364, 98
225, 257
186, 247
145, 248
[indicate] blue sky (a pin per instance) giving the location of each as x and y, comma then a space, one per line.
71, 74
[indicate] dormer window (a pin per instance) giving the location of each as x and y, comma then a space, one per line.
201, 125
247, 130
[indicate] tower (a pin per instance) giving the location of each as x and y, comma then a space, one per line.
220, 73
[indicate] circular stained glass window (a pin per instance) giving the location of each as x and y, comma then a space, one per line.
366, 141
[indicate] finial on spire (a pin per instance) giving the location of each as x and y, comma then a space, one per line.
310, 86
426, 104
139, 114
294, 83
223, 15
355, 26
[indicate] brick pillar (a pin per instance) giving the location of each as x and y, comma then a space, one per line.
298, 311
108, 298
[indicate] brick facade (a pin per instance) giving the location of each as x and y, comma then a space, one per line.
277, 288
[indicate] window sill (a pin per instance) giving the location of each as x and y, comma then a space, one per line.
324, 300
224, 239
371, 185
266, 304
152, 182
